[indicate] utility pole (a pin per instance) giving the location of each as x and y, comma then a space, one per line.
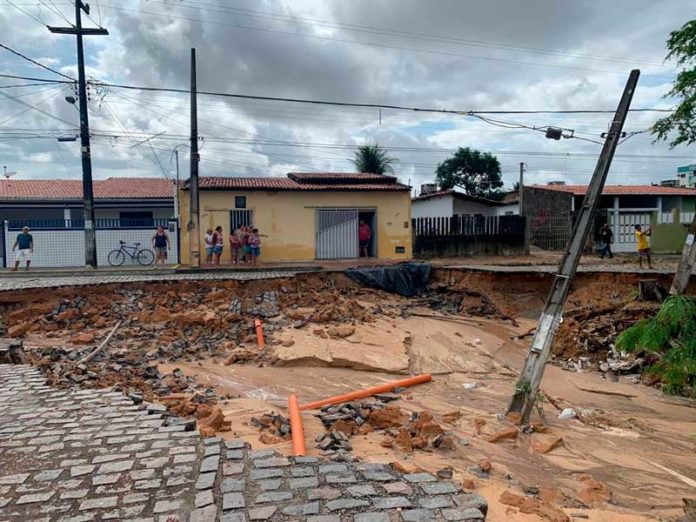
527, 386
85, 152
193, 224
176, 190
686, 265
521, 186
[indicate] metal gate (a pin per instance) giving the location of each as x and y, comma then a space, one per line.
337, 233
239, 218
625, 229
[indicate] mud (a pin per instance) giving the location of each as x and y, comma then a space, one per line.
631, 457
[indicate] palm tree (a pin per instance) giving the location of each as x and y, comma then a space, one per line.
373, 159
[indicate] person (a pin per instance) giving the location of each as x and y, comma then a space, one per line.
607, 237
643, 245
254, 245
160, 241
364, 235
235, 246
25, 242
218, 242
209, 246
246, 247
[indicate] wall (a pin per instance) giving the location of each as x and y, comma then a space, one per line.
513, 208
540, 202
115, 213
668, 238
441, 206
66, 247
462, 206
288, 220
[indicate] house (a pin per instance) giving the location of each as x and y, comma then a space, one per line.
125, 209
448, 203
124, 200
307, 216
669, 210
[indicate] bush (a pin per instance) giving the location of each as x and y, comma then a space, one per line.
671, 334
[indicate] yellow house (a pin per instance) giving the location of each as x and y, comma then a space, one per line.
306, 216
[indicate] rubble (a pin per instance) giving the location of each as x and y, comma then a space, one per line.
274, 427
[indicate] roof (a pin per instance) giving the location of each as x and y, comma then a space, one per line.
304, 182
62, 189
621, 190
458, 195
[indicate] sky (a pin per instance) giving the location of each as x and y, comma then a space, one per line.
447, 54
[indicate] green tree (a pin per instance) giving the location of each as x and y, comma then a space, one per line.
373, 159
682, 122
478, 173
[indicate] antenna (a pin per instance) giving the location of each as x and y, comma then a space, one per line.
8, 175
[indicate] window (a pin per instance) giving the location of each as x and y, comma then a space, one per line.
136, 219
240, 202
239, 218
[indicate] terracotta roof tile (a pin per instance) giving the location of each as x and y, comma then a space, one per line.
459, 195
275, 183
622, 190
111, 188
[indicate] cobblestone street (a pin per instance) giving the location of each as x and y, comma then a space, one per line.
97, 455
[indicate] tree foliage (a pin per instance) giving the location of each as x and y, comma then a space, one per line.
680, 126
373, 159
478, 173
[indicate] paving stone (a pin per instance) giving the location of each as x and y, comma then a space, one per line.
333, 468
341, 479
323, 494
262, 513
311, 508
233, 501
19, 478
98, 503
302, 483
462, 514
346, 503
212, 450
232, 468
236, 444
210, 463
269, 485
142, 474
439, 488
391, 502
232, 485
4, 501
109, 457
134, 498
275, 462
259, 474
78, 471
378, 476
234, 455
49, 474
273, 496
420, 477
165, 506
75, 493
417, 515
471, 500
204, 498
205, 480
262, 454
234, 516
324, 518
371, 517
436, 502
207, 514
362, 490
398, 488
305, 460
100, 480
147, 484
302, 472
35, 497
185, 458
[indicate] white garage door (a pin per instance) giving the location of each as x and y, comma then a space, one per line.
337, 233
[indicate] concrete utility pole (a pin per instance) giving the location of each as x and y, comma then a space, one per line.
176, 190
87, 189
193, 225
521, 187
527, 386
686, 265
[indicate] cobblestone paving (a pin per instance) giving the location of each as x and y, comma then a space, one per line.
94, 455
552, 269
26, 283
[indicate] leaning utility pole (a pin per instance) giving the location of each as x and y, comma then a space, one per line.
87, 189
193, 224
527, 386
686, 265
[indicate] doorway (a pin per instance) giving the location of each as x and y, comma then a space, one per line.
370, 218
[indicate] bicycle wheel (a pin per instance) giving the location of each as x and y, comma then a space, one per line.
145, 257
116, 257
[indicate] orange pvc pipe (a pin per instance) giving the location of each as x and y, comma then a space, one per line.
259, 333
367, 392
298, 442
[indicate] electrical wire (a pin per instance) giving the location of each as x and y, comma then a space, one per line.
54, 9
26, 13
46, 67
22, 102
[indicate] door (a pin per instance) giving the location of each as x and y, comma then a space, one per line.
239, 218
625, 229
336, 233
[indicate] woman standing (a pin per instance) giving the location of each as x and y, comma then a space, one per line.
255, 246
209, 246
160, 242
218, 242
235, 246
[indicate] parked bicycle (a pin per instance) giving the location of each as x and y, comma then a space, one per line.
144, 256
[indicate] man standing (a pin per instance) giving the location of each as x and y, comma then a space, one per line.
364, 235
643, 245
607, 238
25, 242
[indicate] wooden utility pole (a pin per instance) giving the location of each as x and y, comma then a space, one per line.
521, 187
527, 386
85, 151
686, 265
193, 224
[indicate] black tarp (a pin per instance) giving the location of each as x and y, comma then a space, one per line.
408, 279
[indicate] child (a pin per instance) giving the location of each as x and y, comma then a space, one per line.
209, 246
255, 245
235, 246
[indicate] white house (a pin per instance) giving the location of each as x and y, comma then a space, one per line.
448, 203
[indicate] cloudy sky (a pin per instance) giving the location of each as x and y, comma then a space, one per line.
454, 54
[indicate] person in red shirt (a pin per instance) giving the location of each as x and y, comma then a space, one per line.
364, 235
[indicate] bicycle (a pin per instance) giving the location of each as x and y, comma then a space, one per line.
144, 256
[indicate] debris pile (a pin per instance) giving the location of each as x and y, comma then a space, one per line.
461, 301
274, 427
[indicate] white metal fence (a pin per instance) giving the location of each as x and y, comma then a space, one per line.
667, 218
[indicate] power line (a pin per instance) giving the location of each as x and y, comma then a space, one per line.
55, 10
36, 63
22, 102
26, 13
